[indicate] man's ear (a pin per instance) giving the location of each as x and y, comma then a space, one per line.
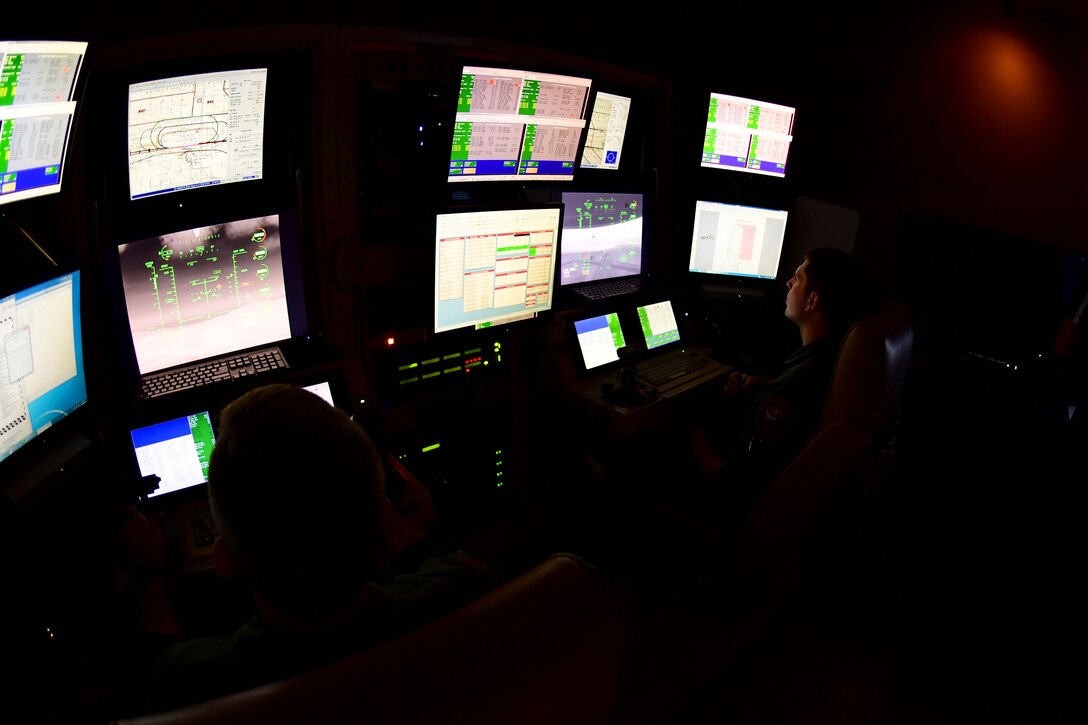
224, 562
813, 301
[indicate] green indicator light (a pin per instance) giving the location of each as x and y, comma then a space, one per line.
472, 365
498, 452
451, 356
452, 370
473, 351
409, 380
498, 484
432, 361
433, 446
485, 362
435, 374
409, 366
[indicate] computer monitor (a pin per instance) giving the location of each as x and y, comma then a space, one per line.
600, 339
602, 235
746, 135
191, 131
606, 132
732, 240
517, 125
658, 323
38, 81
212, 290
494, 266
42, 377
177, 450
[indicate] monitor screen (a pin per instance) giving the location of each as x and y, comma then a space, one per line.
322, 390
37, 109
746, 135
176, 450
494, 266
517, 125
191, 131
738, 241
658, 323
212, 290
607, 128
599, 339
602, 236
42, 377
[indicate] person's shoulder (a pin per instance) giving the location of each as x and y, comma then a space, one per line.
442, 583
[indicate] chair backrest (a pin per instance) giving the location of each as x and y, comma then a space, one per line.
785, 525
547, 647
871, 368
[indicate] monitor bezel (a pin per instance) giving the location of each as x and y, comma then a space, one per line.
745, 170
300, 309
76, 98
507, 204
740, 281
622, 184
516, 178
286, 146
45, 441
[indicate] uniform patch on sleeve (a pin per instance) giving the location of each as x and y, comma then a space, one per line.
774, 419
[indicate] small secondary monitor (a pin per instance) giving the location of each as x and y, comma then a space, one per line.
746, 135
517, 125
37, 109
607, 128
602, 236
737, 241
494, 266
211, 290
42, 378
192, 131
176, 450
658, 323
600, 339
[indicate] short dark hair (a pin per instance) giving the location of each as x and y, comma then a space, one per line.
296, 488
836, 276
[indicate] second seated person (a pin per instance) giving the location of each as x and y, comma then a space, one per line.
296, 489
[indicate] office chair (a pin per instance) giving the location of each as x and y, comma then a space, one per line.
803, 515
845, 461
546, 647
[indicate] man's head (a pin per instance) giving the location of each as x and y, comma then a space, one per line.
296, 487
827, 293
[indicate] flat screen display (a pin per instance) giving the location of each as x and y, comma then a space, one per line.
600, 339
747, 135
207, 291
494, 266
177, 451
602, 236
737, 241
37, 110
607, 129
42, 378
193, 131
517, 125
658, 323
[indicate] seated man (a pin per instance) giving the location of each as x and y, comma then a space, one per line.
297, 493
826, 295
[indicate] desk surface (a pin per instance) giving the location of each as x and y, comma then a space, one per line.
634, 410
